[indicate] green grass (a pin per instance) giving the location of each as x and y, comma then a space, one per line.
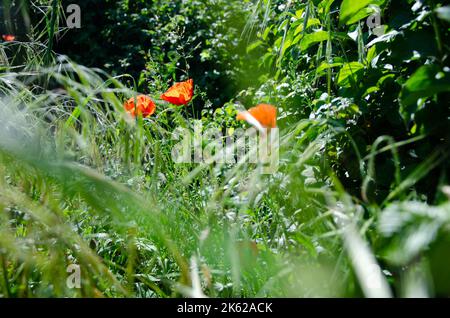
85, 176
82, 183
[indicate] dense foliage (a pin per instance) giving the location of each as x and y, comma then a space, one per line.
165, 40
359, 205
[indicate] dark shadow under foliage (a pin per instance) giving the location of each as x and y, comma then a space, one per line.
170, 40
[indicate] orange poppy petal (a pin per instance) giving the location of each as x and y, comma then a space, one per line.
240, 116
8, 37
180, 93
265, 114
145, 106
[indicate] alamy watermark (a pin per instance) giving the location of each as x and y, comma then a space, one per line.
374, 21
74, 278
232, 146
73, 19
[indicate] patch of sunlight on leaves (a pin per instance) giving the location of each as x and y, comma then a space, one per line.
412, 226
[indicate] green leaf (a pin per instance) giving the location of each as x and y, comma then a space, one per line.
361, 14
299, 13
348, 72
324, 66
371, 90
297, 39
355, 10
286, 45
427, 81
254, 45
388, 77
324, 6
266, 33
371, 54
311, 22
313, 38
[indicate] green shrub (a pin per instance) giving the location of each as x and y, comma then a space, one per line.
327, 63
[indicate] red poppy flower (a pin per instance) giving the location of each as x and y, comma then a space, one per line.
265, 114
145, 106
180, 93
8, 37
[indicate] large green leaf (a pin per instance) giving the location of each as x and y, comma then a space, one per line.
355, 10
427, 81
312, 38
348, 72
